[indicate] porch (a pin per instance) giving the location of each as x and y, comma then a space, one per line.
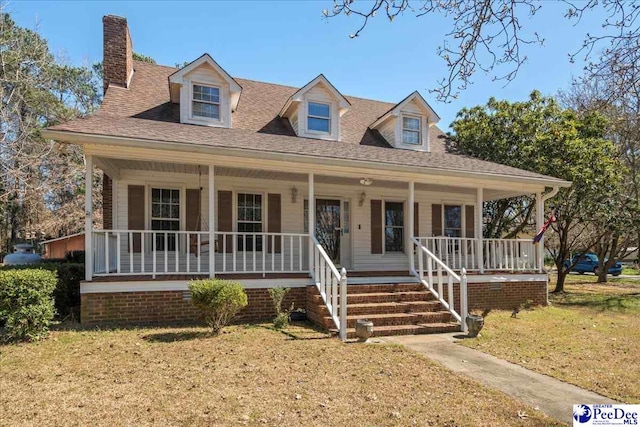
169, 221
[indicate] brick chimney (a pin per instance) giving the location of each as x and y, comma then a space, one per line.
118, 52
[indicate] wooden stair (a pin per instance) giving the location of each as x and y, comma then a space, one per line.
394, 309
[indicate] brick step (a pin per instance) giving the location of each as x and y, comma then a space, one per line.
380, 297
396, 318
384, 287
393, 307
430, 328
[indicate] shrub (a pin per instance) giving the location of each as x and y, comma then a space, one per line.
219, 300
26, 303
282, 316
67, 292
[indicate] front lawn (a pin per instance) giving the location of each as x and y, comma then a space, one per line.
251, 375
589, 336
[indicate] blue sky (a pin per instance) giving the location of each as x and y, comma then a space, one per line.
289, 42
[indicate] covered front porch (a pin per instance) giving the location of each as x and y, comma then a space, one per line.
164, 218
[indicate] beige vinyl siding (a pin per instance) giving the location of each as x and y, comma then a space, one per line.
292, 213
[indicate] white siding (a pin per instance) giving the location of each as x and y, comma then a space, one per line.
292, 213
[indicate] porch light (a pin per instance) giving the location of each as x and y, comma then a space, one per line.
294, 194
365, 183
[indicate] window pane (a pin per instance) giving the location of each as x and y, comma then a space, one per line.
206, 93
394, 239
201, 109
394, 214
306, 215
411, 123
453, 216
410, 137
175, 196
155, 194
319, 125
322, 110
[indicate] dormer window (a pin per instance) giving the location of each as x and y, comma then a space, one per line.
206, 102
406, 125
411, 130
319, 117
207, 94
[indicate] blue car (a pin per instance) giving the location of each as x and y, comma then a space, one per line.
589, 264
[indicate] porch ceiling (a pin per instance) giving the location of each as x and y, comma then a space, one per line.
124, 164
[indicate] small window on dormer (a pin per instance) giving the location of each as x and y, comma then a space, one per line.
206, 102
411, 130
319, 117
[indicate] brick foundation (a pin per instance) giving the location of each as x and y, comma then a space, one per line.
501, 296
171, 306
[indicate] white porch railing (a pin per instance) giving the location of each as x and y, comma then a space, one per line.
497, 254
326, 277
135, 252
435, 284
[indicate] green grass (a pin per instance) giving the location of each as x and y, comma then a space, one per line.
588, 336
630, 271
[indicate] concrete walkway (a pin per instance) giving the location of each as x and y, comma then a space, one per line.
551, 396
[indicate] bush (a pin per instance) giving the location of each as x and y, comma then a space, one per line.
282, 316
67, 292
219, 300
26, 303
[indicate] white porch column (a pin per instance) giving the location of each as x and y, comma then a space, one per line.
539, 224
88, 218
478, 227
312, 221
409, 243
212, 222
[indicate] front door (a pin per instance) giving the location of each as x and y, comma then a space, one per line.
332, 229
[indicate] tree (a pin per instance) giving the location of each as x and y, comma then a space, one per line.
488, 35
42, 182
541, 136
621, 221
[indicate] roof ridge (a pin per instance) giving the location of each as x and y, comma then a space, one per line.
277, 84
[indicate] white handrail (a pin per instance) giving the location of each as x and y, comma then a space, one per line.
461, 313
165, 252
326, 277
496, 254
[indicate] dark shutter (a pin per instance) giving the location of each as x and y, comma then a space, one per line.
225, 218
193, 217
436, 220
416, 220
274, 223
193, 209
376, 226
135, 213
470, 221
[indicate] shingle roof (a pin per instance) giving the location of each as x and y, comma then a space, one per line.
144, 112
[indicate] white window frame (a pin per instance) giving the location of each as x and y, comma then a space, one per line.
192, 99
313, 116
403, 129
236, 217
384, 226
181, 206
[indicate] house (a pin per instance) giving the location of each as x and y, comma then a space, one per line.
59, 248
207, 174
